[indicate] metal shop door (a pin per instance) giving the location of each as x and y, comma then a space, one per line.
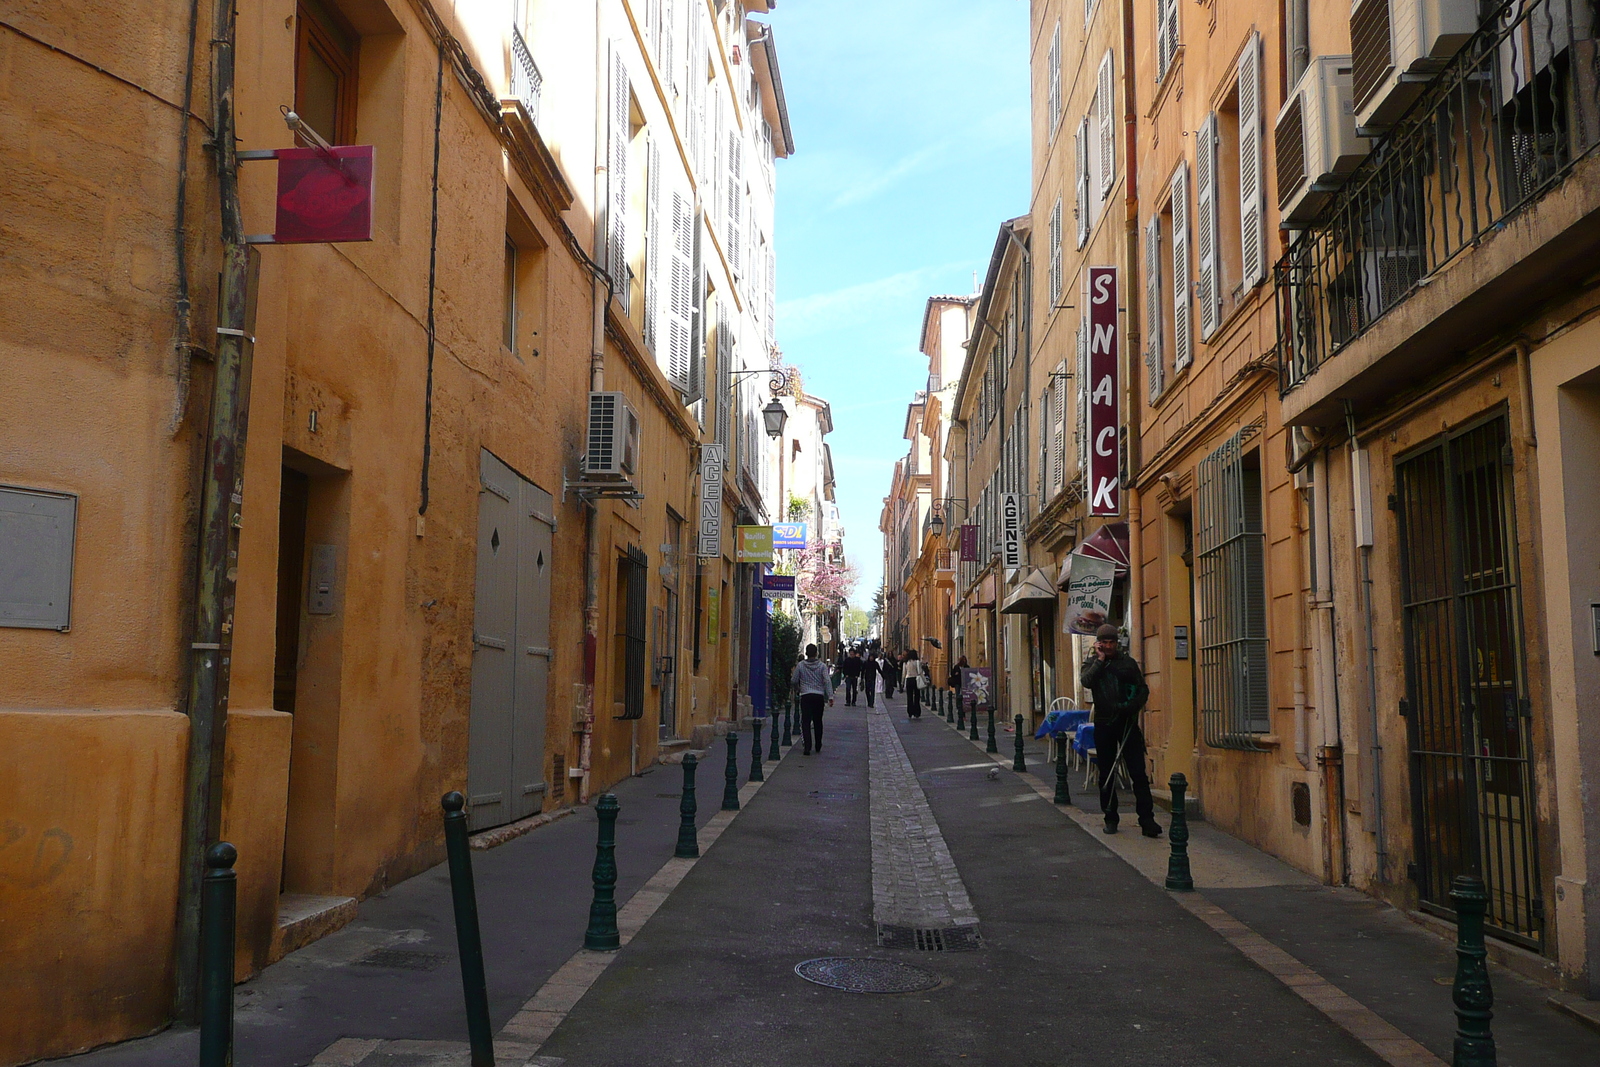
511, 647
1468, 715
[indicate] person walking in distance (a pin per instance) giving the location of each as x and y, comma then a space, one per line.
850, 667
953, 681
869, 677
916, 684
814, 682
891, 674
1119, 691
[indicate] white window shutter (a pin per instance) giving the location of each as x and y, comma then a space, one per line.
1083, 394
1107, 98
1058, 429
1206, 232
1055, 254
1080, 192
1153, 359
1252, 167
1166, 37
771, 300
1182, 331
1055, 78
680, 302
695, 311
669, 70
617, 251
734, 223
656, 262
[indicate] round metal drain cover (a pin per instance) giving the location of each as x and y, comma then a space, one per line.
863, 975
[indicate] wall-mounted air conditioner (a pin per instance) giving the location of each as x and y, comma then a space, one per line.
613, 449
1316, 140
1396, 46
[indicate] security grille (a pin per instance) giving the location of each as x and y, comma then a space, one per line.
1468, 718
1370, 49
1290, 138
1231, 596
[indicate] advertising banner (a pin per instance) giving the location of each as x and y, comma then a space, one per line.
1011, 552
977, 686
778, 586
969, 544
788, 535
713, 615
1088, 594
710, 533
1105, 445
754, 545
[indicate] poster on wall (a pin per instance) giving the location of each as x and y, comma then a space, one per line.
709, 536
1088, 594
977, 686
1105, 445
713, 615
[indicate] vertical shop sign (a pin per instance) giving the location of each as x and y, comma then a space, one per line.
969, 544
1011, 554
710, 536
1105, 445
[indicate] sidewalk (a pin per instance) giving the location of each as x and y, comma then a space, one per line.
393, 973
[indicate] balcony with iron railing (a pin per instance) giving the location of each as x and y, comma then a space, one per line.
525, 77
1463, 212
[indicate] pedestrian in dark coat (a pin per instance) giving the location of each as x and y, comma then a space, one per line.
850, 667
869, 678
1120, 693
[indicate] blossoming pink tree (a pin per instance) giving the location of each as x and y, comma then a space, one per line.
824, 582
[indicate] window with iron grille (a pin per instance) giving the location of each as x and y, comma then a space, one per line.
1230, 600
631, 594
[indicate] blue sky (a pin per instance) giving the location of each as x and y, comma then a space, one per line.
911, 132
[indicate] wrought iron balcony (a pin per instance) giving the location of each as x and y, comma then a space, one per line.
525, 77
1501, 124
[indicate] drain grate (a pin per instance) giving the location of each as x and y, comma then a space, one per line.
866, 975
930, 939
402, 959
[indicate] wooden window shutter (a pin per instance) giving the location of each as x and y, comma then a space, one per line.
724, 383
617, 244
680, 305
1083, 394
1055, 78
1252, 168
1055, 254
696, 310
734, 223
1058, 429
1182, 331
1080, 206
1153, 359
1206, 232
669, 70
1166, 36
1107, 96
772, 294
655, 264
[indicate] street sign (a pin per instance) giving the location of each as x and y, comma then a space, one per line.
324, 194
754, 545
1105, 445
778, 586
710, 537
969, 544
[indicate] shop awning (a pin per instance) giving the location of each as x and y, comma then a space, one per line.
1034, 594
1110, 542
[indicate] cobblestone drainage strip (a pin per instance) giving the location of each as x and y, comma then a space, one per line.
929, 939
866, 975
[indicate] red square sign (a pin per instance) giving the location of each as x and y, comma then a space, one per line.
324, 196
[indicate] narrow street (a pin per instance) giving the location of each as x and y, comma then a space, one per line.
1079, 956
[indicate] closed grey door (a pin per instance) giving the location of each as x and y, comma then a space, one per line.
511, 653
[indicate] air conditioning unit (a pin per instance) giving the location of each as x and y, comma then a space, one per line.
1396, 46
1316, 140
613, 451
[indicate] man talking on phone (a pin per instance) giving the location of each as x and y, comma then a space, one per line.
1120, 692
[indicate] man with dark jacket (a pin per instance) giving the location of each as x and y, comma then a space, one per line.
850, 667
869, 677
1119, 691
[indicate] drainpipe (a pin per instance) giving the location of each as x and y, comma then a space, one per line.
599, 297
1130, 138
1302, 739
1299, 39
1361, 509
1325, 652
221, 502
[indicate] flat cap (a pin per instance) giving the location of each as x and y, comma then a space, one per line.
1107, 633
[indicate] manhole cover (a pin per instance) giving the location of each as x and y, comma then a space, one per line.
858, 975
822, 794
404, 959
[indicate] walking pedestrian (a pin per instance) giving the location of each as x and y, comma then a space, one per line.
869, 677
1119, 691
953, 681
891, 674
813, 681
850, 667
916, 684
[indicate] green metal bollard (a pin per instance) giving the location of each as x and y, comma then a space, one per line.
602, 935
688, 843
949, 712
218, 906
972, 721
469, 942
788, 722
1472, 993
756, 774
1063, 791
1179, 880
730, 786
992, 746
961, 713
1018, 763
773, 751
